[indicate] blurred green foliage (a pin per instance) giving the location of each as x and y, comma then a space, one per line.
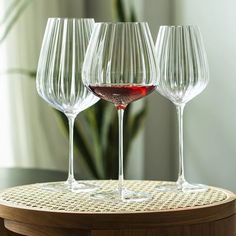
96, 129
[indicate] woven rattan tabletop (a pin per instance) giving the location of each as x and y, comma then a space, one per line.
36, 198
32, 210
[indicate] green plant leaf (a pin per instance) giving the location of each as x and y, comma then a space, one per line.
26, 72
11, 16
118, 9
92, 122
133, 16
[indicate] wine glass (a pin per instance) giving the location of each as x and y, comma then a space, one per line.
59, 80
120, 67
184, 74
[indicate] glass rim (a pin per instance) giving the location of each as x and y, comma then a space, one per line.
178, 26
69, 18
121, 23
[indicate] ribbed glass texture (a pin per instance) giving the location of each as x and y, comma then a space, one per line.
120, 53
183, 63
59, 79
120, 66
183, 75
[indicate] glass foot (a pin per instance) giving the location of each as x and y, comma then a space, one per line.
183, 187
75, 186
125, 196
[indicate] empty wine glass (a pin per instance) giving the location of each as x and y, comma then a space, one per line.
120, 67
184, 74
59, 80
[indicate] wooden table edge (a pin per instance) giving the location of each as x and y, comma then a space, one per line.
135, 220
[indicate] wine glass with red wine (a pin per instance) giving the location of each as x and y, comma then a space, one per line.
59, 82
120, 67
184, 74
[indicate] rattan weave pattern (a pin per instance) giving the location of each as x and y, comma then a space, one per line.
34, 197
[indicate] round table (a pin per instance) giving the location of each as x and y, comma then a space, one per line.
32, 210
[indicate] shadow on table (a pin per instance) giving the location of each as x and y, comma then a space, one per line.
10, 177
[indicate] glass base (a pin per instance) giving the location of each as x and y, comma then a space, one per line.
124, 196
183, 187
74, 186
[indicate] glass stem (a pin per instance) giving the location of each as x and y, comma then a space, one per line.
181, 177
121, 168
71, 179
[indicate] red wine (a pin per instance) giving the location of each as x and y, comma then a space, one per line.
121, 95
